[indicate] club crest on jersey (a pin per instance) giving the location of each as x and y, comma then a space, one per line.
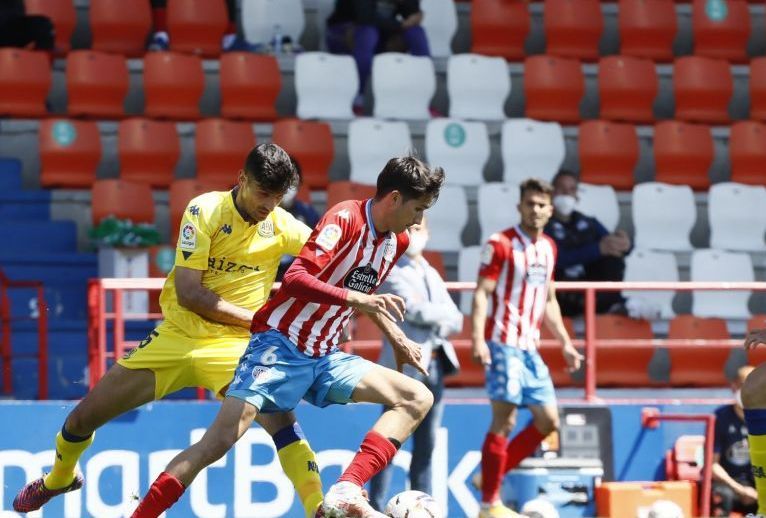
188, 239
537, 274
389, 249
266, 229
362, 278
329, 236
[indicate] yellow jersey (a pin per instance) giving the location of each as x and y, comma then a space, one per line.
239, 259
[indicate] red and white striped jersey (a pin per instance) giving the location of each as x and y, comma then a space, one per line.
349, 254
523, 270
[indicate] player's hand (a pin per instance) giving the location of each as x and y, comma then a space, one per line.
572, 356
748, 495
408, 352
386, 304
480, 353
754, 338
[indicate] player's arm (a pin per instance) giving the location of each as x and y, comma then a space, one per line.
755, 338
192, 295
555, 324
484, 288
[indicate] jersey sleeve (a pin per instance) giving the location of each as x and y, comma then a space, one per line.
193, 247
296, 233
491, 259
328, 237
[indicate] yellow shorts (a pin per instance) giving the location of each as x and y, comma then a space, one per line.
180, 361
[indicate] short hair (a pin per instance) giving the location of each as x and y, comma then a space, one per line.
565, 172
535, 185
271, 167
410, 176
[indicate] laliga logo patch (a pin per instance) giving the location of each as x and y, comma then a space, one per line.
363, 278
266, 229
188, 237
261, 374
329, 236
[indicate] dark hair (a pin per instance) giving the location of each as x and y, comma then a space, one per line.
535, 185
565, 172
271, 167
411, 177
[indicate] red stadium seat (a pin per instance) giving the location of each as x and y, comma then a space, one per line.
310, 143
70, 151
683, 153
499, 28
123, 200
554, 359
148, 151
647, 28
608, 153
436, 260
721, 38
119, 26
63, 15
220, 147
97, 84
553, 88
756, 356
362, 328
627, 87
701, 366
572, 28
685, 458
197, 26
173, 85
345, 190
182, 192
747, 152
25, 78
702, 88
622, 366
758, 88
250, 85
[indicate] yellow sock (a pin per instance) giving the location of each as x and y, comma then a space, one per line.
67, 455
300, 465
758, 460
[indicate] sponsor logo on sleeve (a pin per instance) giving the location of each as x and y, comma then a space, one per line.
188, 239
487, 253
329, 236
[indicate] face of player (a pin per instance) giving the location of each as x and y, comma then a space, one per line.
253, 201
535, 209
407, 213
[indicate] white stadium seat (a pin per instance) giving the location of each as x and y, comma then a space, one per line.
497, 204
717, 265
402, 86
531, 148
645, 266
371, 143
262, 19
600, 202
447, 218
737, 216
460, 147
477, 87
468, 271
440, 24
663, 216
325, 85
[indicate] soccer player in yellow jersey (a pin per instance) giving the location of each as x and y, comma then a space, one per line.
227, 256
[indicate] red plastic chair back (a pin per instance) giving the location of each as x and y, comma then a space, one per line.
311, 144
344, 190
173, 85
197, 26
119, 26
221, 147
683, 153
63, 15
608, 153
647, 28
721, 38
701, 366
70, 151
703, 88
627, 87
25, 78
758, 88
250, 85
97, 84
123, 200
573, 28
148, 151
553, 88
747, 152
499, 28
622, 366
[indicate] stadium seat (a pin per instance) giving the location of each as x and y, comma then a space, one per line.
747, 152
572, 28
758, 88
608, 153
496, 204
618, 365
325, 85
649, 266
553, 88
363, 329
96, 83
220, 149
24, 82
702, 88
344, 190
683, 462
436, 260
120, 27
263, 19
402, 86
718, 266
468, 262
703, 365
477, 87
647, 28
627, 87
371, 143
63, 15
123, 200
599, 201
553, 358
250, 85
499, 28
531, 148
148, 151
196, 26
732, 225
181, 192
173, 85
311, 144
460, 147
447, 218
70, 151
440, 24
683, 153
657, 204
721, 35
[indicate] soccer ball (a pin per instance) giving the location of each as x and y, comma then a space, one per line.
539, 508
413, 504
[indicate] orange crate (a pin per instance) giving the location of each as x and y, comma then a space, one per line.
621, 499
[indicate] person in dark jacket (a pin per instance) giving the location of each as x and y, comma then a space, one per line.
18, 29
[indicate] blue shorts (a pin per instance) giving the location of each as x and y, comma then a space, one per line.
273, 375
518, 376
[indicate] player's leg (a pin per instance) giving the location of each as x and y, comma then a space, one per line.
424, 436
754, 403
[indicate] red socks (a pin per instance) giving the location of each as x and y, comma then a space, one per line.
165, 491
522, 446
374, 454
493, 455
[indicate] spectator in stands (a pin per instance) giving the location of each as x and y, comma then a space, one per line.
301, 210
372, 25
430, 319
18, 29
733, 484
586, 250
